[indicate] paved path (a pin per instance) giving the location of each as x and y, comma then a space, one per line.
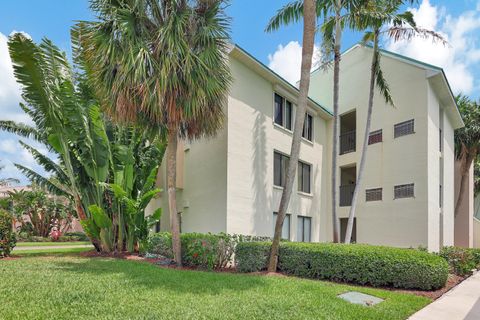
460, 303
52, 247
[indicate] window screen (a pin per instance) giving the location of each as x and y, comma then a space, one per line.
404, 128
404, 191
375, 137
304, 228
304, 174
373, 194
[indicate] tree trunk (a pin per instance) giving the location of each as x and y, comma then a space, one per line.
336, 81
363, 159
172, 195
468, 156
307, 54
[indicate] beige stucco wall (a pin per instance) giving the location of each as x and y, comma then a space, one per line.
408, 222
464, 219
252, 139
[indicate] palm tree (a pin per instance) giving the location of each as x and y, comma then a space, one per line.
382, 19
467, 142
332, 30
162, 64
4, 182
309, 26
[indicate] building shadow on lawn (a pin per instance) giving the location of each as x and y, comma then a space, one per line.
146, 275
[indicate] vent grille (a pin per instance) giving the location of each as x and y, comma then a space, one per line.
404, 128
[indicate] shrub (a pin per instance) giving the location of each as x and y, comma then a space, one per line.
361, 264
80, 235
461, 260
7, 236
200, 250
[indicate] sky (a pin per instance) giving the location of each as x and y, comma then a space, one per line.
458, 21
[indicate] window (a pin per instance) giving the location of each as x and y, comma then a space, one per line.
285, 227
440, 139
283, 113
440, 197
404, 191
304, 174
373, 194
375, 137
304, 229
280, 167
308, 127
404, 128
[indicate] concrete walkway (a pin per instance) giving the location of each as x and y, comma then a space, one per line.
460, 303
52, 247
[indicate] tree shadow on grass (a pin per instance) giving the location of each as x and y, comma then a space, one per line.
143, 274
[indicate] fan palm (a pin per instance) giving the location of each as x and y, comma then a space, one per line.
467, 144
162, 64
383, 19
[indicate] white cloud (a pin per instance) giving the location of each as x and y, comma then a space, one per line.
458, 57
287, 60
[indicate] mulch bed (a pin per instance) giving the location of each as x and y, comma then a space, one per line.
452, 281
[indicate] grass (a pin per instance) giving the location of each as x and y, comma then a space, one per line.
102, 288
48, 251
50, 244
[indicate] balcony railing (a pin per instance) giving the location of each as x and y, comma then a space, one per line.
348, 142
346, 195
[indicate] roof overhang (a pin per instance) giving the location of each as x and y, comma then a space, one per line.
279, 83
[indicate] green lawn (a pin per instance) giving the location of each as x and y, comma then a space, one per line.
50, 244
72, 287
48, 251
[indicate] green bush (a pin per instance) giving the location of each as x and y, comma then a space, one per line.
461, 260
210, 251
361, 264
7, 236
80, 235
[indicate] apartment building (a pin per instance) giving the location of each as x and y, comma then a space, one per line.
233, 183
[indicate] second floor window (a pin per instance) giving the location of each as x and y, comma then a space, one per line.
280, 167
404, 128
304, 174
308, 127
373, 194
283, 112
375, 137
404, 191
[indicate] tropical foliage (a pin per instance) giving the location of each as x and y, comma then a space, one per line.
7, 236
37, 213
162, 64
467, 143
92, 152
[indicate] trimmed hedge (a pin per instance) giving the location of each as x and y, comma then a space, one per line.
354, 263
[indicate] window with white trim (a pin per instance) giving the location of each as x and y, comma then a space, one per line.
308, 127
304, 229
404, 191
373, 194
404, 128
304, 177
285, 227
283, 112
280, 167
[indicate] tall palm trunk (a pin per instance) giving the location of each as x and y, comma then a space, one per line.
466, 158
309, 24
172, 194
336, 81
363, 159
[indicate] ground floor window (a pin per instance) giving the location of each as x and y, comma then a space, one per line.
304, 229
343, 230
285, 227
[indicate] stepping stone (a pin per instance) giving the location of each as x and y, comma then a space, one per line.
360, 298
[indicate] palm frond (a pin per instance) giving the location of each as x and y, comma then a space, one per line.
21, 129
42, 181
290, 13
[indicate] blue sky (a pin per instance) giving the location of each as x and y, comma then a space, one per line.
457, 20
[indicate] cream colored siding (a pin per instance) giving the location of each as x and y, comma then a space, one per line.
253, 137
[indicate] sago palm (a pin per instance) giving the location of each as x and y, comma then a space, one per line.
378, 18
162, 64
